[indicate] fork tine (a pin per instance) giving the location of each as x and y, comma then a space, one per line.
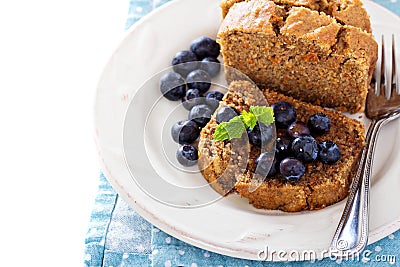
394, 68
378, 68
396, 65
387, 63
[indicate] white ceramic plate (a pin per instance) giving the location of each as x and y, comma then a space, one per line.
228, 226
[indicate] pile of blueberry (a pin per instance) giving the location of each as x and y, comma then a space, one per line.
190, 82
297, 146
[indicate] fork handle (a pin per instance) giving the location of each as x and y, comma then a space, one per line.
351, 236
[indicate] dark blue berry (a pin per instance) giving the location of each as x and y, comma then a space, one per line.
212, 103
185, 132
200, 114
172, 86
283, 147
297, 128
260, 135
211, 65
191, 99
292, 169
215, 95
266, 164
225, 114
184, 62
212, 99
284, 114
205, 47
274, 168
329, 152
187, 155
305, 148
199, 79
319, 123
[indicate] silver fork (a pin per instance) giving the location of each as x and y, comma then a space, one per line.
382, 106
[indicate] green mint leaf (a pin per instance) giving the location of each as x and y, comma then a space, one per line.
235, 128
263, 114
221, 133
248, 119
229, 130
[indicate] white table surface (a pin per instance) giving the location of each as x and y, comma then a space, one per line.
51, 56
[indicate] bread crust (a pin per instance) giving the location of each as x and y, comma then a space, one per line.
346, 12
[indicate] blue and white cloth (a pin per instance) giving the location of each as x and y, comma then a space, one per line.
118, 236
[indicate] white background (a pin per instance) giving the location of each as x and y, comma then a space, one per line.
51, 56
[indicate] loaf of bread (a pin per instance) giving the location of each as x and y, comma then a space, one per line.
300, 51
229, 165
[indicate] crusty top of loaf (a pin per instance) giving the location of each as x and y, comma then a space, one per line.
261, 16
311, 25
347, 12
254, 16
350, 12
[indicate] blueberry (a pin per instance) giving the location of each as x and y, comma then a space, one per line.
297, 128
191, 99
274, 168
205, 47
184, 62
225, 114
215, 95
260, 135
172, 86
266, 164
305, 148
211, 65
185, 132
199, 79
329, 152
212, 103
187, 155
292, 169
319, 123
212, 99
200, 114
284, 114
283, 147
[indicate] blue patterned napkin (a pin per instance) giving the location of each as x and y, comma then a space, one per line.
118, 236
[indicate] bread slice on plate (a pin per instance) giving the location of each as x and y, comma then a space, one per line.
229, 165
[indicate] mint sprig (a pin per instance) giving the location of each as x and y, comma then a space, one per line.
263, 114
235, 127
229, 130
249, 119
